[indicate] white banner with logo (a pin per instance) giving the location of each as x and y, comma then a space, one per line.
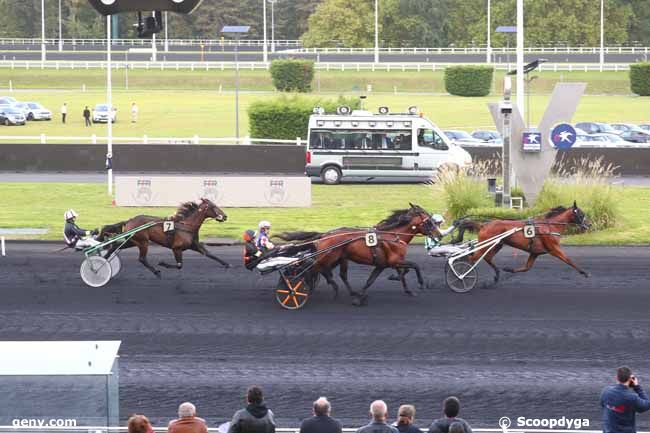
226, 191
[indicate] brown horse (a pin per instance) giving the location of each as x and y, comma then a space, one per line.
184, 234
392, 238
548, 229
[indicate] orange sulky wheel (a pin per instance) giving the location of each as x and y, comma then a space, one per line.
292, 294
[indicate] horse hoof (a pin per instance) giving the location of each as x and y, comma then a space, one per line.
356, 301
586, 274
393, 278
410, 293
364, 300
157, 274
509, 270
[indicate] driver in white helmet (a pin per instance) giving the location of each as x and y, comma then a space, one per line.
263, 240
75, 236
434, 246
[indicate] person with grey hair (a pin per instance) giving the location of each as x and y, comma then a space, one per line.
321, 422
406, 418
187, 421
379, 414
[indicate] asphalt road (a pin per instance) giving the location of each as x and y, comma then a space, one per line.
539, 345
254, 54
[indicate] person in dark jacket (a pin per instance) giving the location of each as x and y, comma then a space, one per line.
251, 252
405, 419
321, 422
450, 408
622, 401
379, 413
75, 236
87, 115
256, 417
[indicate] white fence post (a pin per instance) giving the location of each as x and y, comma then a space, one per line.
298, 141
145, 139
93, 139
195, 139
43, 139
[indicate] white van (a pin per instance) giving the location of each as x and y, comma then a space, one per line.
360, 144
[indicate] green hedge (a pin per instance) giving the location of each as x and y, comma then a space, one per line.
469, 80
292, 75
640, 78
286, 118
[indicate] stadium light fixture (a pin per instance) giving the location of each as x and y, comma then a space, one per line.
236, 32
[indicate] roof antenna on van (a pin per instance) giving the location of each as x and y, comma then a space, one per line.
361, 99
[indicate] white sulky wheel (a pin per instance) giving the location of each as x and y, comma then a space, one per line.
116, 265
95, 271
458, 285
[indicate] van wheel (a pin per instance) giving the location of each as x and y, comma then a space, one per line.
331, 175
30, 116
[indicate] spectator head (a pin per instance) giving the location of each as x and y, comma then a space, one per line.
379, 410
451, 407
456, 427
254, 395
406, 414
322, 407
186, 410
623, 374
139, 424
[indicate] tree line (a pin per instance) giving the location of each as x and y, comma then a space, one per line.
402, 23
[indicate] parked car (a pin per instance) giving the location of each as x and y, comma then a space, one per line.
622, 127
12, 116
461, 138
36, 111
610, 138
100, 114
636, 136
22, 107
7, 100
488, 136
645, 127
596, 128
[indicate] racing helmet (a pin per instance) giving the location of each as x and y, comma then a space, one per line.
264, 225
69, 214
437, 218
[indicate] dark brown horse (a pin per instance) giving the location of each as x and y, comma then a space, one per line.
183, 233
392, 238
548, 229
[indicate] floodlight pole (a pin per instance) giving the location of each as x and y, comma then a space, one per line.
265, 58
109, 101
602, 34
376, 31
166, 34
237, 87
43, 57
520, 58
272, 25
60, 29
488, 48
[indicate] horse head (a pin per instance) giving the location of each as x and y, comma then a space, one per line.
578, 217
421, 222
212, 210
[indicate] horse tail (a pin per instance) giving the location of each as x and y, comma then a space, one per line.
299, 236
111, 230
466, 225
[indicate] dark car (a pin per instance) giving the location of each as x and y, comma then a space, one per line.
488, 136
636, 136
596, 128
12, 116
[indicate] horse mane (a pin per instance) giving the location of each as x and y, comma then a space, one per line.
393, 220
186, 209
555, 211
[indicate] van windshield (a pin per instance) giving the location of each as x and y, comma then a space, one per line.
429, 138
361, 140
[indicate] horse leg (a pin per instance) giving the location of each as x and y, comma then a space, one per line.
362, 298
329, 277
556, 251
143, 246
488, 259
178, 255
343, 273
526, 268
401, 272
397, 276
200, 248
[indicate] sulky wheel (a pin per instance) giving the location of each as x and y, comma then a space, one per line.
95, 271
292, 293
464, 284
116, 265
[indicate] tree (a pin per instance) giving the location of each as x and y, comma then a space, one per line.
341, 21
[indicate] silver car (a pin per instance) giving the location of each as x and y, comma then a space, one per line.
11, 116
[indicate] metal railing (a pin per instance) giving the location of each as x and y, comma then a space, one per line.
147, 42
323, 66
145, 139
101, 429
472, 50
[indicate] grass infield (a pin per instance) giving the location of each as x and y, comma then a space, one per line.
332, 206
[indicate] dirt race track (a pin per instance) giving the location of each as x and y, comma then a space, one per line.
539, 345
